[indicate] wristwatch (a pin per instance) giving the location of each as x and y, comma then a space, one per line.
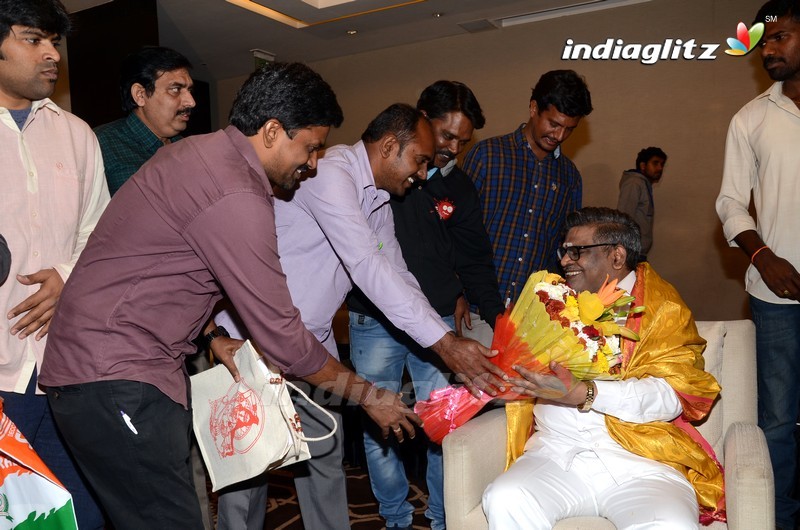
591, 392
213, 334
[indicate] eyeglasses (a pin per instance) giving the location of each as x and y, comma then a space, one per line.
574, 251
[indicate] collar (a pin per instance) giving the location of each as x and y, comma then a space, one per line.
364, 177
241, 144
45, 103
444, 171
776, 95
627, 282
774, 92
521, 142
138, 128
449, 167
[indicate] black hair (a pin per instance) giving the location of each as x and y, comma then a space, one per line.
646, 154
399, 119
779, 8
47, 15
451, 96
145, 67
611, 226
565, 90
291, 93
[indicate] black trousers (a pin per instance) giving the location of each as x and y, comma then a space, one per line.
132, 443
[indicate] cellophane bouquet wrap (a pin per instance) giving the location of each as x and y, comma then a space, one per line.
549, 322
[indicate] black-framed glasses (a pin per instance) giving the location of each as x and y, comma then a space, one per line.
574, 251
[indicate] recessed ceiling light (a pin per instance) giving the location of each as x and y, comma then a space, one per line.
352, 31
438, 15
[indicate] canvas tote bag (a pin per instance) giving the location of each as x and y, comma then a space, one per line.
246, 428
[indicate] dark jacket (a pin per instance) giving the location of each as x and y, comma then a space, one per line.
440, 228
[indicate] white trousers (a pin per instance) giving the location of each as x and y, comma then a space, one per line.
535, 493
481, 330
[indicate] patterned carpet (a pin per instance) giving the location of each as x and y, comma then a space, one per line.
283, 512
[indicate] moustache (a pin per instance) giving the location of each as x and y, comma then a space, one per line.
771, 60
186, 110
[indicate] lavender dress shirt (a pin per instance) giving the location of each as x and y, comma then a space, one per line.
197, 219
337, 230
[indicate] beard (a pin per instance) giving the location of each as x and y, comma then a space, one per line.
779, 70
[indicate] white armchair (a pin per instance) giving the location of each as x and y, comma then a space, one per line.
475, 453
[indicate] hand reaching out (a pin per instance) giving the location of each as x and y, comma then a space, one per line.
389, 412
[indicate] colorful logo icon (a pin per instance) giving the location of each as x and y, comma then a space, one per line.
745, 39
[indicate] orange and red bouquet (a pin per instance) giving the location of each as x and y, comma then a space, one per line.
549, 322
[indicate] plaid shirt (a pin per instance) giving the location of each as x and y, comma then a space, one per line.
525, 202
126, 145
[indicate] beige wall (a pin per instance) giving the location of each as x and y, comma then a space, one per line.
682, 106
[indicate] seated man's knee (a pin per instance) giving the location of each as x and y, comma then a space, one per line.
508, 505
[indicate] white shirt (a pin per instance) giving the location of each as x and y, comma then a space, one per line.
762, 154
563, 431
54, 191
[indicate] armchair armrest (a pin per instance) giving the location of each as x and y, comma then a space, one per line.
749, 487
474, 455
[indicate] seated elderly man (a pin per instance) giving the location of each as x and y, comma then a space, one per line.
624, 449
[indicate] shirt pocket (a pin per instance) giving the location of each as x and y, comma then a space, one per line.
66, 203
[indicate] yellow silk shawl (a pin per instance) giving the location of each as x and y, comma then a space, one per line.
669, 348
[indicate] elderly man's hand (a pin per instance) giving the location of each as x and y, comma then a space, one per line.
559, 387
468, 360
39, 306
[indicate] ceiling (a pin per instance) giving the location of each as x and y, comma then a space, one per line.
218, 36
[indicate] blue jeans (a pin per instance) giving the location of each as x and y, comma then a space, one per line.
379, 355
778, 352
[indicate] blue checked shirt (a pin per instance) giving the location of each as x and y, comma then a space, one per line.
525, 202
126, 145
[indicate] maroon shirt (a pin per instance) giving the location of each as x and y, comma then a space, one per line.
195, 220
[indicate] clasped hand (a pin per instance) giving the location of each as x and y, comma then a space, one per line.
39, 306
387, 409
560, 386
